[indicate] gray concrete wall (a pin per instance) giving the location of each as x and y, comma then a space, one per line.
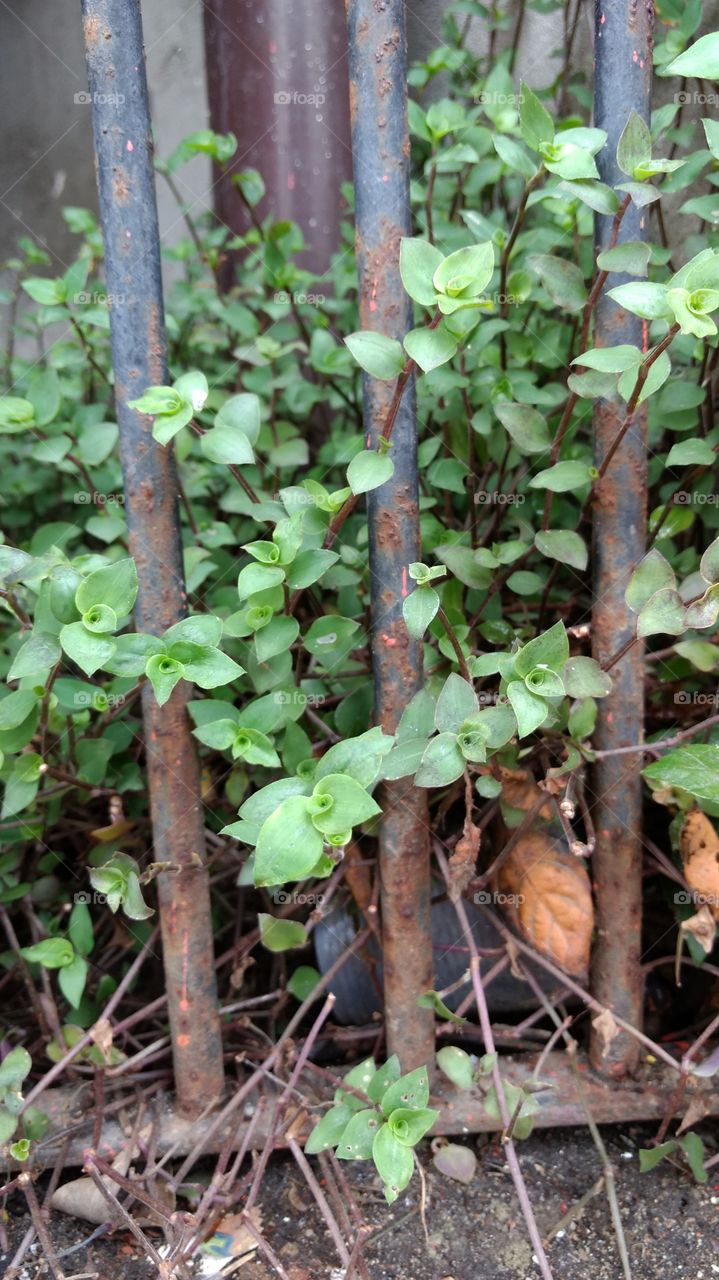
46, 160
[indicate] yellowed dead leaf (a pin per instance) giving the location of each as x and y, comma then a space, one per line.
607, 1029
520, 791
463, 860
701, 926
699, 845
549, 899
101, 1035
115, 831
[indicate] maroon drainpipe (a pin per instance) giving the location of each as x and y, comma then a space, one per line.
277, 79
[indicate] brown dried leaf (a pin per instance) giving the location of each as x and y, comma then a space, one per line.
702, 926
520, 791
607, 1029
550, 900
699, 845
101, 1035
463, 860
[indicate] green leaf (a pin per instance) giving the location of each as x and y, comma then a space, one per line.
456, 702
328, 1132
383, 1078
457, 1066
8, 1125
277, 637
647, 300
709, 564
258, 577
535, 123
51, 953
393, 1161
687, 453
551, 650
16, 708
71, 980
359, 1135
205, 666
610, 359
663, 614
289, 845
693, 1148
308, 567
430, 348
49, 293
227, 446
418, 261
114, 586
79, 929
368, 470
652, 574
634, 148
562, 280
467, 272
241, 414
632, 258
525, 425
303, 981
350, 804
562, 477
650, 1157
281, 935
35, 657
700, 60
380, 357
411, 1090
163, 673
694, 768
561, 544
418, 610
531, 711
16, 414
83, 647
584, 678
598, 196
409, 1124
14, 1068
442, 762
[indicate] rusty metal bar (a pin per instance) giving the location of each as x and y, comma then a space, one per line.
622, 84
123, 151
648, 1097
380, 152
277, 79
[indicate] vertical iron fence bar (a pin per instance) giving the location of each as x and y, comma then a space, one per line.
277, 79
123, 153
380, 152
622, 84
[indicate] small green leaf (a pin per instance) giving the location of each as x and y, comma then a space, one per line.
531, 711
163, 673
71, 980
51, 953
368, 470
693, 768
584, 678
328, 1132
418, 261
280, 935
562, 477
563, 545
83, 647
652, 574
418, 610
383, 1078
393, 1161
359, 1135
442, 762
289, 845
525, 425
379, 356
409, 1124
457, 1066
430, 348
700, 60
650, 1157
411, 1090
634, 148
